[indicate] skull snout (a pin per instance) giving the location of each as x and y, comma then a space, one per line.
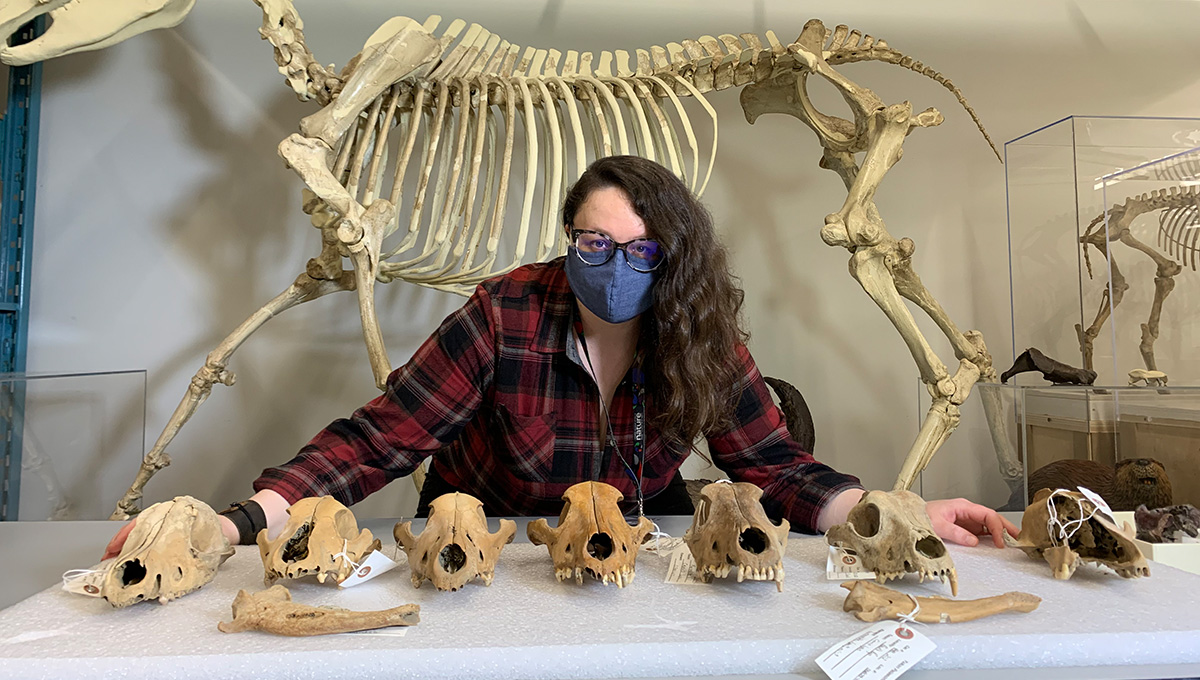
931, 547
600, 546
866, 522
452, 558
753, 541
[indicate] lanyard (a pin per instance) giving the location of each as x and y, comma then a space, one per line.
638, 459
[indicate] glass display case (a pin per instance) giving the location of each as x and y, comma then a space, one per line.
1104, 240
72, 442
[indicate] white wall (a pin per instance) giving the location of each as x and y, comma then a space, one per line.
164, 216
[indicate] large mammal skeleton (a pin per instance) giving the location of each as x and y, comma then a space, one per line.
464, 111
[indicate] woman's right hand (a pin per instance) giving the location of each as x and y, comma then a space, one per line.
118, 541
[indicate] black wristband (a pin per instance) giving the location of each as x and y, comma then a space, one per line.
249, 518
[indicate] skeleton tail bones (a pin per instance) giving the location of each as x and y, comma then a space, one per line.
459, 103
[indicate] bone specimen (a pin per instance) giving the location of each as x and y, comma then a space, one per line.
1178, 238
1080, 533
416, 144
455, 546
272, 611
321, 537
1147, 378
81, 25
592, 536
873, 602
1167, 525
891, 534
730, 530
1053, 370
174, 548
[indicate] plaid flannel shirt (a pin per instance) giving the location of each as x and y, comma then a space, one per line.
500, 399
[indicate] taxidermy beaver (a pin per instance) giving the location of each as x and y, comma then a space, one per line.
1133, 482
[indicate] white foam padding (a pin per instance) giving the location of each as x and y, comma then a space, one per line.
529, 625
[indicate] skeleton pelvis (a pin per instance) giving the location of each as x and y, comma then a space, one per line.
592, 536
321, 537
174, 548
455, 546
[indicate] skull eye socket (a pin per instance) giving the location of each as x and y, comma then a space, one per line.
866, 521
296, 548
452, 558
600, 546
753, 540
132, 572
931, 547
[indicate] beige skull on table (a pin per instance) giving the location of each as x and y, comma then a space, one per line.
891, 533
1096, 539
455, 546
730, 530
592, 536
174, 548
321, 537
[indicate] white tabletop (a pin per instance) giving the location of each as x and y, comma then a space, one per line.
528, 625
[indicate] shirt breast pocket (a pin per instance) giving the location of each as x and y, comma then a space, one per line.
526, 443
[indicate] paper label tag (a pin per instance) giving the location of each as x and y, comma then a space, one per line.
663, 547
682, 568
885, 649
375, 564
86, 582
844, 565
1095, 498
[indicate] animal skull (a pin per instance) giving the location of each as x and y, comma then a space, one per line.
321, 537
592, 536
730, 529
455, 546
1095, 539
174, 548
891, 533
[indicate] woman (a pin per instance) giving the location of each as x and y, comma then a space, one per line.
605, 364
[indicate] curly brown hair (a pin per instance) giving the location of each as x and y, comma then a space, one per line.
694, 327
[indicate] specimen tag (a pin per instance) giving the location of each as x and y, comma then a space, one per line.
882, 650
86, 582
1095, 498
663, 547
375, 564
682, 568
843, 565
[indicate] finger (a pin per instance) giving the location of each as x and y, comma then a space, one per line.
957, 534
995, 525
114, 546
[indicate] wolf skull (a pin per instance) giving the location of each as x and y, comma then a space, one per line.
321, 537
174, 548
455, 546
730, 530
1096, 539
592, 536
891, 533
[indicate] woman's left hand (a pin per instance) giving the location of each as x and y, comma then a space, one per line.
961, 521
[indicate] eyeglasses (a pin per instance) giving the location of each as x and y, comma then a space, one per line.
594, 248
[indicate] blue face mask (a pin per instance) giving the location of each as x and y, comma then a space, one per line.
613, 291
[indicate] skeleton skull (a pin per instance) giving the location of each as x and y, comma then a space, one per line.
1095, 539
730, 529
174, 548
592, 536
455, 546
321, 537
891, 533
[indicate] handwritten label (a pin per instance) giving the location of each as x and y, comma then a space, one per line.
844, 565
682, 568
375, 564
886, 649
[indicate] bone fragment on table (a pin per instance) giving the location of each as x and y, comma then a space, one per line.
272, 611
873, 602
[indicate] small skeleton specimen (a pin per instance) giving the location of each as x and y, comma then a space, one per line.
1167, 525
592, 536
1053, 370
873, 602
425, 123
890, 531
272, 611
455, 546
730, 530
174, 548
1147, 378
1178, 246
321, 537
1064, 528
